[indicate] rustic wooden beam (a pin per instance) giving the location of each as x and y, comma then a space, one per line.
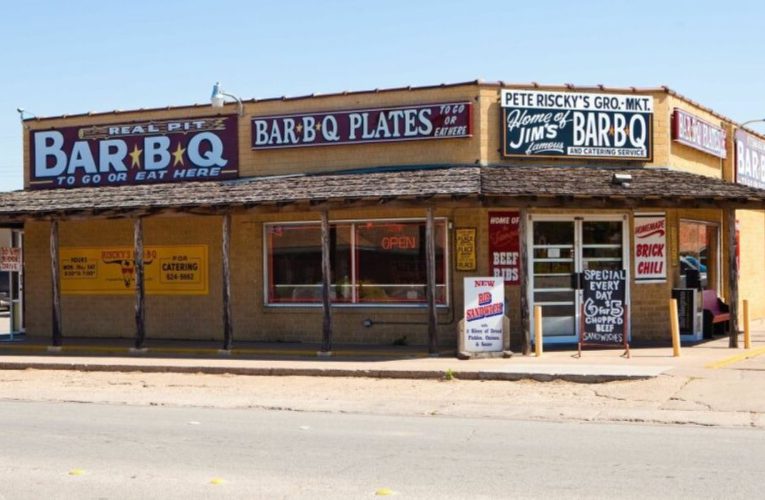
326, 278
228, 327
523, 231
730, 227
56, 285
140, 309
430, 262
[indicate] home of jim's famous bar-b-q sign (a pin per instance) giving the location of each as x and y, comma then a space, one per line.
363, 126
173, 150
576, 125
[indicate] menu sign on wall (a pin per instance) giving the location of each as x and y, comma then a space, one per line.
694, 132
504, 246
750, 160
362, 126
650, 247
604, 311
484, 314
10, 259
168, 270
576, 125
177, 150
465, 249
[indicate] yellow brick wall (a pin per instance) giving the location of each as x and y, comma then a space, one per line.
180, 317
317, 159
752, 255
199, 317
682, 157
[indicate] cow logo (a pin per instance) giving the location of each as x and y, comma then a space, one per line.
126, 261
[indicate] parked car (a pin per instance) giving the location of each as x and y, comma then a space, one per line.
5, 301
691, 263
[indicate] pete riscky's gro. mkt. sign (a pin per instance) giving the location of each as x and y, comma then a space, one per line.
362, 126
135, 153
578, 125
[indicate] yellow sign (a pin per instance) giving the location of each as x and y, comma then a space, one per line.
465, 244
168, 270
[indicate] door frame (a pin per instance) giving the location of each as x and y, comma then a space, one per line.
577, 218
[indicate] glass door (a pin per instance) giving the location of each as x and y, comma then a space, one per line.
561, 249
554, 264
16, 287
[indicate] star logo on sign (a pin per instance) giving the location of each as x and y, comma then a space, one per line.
178, 155
299, 128
611, 131
136, 157
317, 126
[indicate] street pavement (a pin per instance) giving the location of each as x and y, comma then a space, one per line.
67, 450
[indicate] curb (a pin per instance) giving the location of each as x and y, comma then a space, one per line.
594, 378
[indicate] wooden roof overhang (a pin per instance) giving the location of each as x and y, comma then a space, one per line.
447, 186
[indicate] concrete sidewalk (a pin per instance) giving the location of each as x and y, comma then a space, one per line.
595, 365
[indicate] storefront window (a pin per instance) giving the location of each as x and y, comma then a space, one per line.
698, 254
372, 262
294, 257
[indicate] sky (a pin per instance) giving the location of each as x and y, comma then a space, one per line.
65, 57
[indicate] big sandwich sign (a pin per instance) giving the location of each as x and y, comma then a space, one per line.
576, 125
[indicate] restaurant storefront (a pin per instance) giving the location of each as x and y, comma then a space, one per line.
355, 218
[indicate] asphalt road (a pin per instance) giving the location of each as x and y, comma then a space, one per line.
70, 450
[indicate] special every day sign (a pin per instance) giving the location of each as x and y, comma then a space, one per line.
604, 313
484, 313
574, 124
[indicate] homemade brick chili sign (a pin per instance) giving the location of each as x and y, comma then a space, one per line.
604, 311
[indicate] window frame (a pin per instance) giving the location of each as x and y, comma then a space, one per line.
267, 267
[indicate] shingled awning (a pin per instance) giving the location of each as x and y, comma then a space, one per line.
561, 186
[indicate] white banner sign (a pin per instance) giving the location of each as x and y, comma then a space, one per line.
484, 313
650, 247
10, 259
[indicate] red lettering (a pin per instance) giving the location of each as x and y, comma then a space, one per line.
650, 250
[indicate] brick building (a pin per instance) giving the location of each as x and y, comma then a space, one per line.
533, 184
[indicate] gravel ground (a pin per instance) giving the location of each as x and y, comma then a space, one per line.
664, 399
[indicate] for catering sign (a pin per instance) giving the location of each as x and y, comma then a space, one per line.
183, 149
362, 126
696, 133
650, 247
484, 314
576, 125
750, 160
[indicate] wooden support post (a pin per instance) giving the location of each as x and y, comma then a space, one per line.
228, 328
747, 333
730, 228
430, 262
140, 313
525, 273
56, 285
675, 326
326, 279
538, 330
